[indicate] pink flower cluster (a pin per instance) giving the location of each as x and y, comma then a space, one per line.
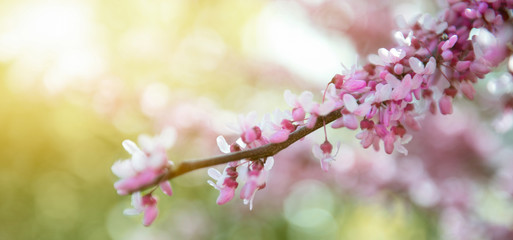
145, 167
435, 59
252, 172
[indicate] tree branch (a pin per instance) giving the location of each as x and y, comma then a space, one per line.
264, 151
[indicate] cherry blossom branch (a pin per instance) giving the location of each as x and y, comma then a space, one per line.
435, 59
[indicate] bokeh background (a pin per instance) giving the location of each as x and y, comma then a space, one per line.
77, 77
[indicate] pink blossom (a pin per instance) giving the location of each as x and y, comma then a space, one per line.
323, 153
145, 165
248, 128
226, 183
277, 127
352, 82
418, 67
392, 56
300, 104
402, 40
146, 204
256, 177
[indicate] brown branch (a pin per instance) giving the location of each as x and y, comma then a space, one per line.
264, 151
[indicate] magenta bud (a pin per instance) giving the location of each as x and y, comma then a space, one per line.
326, 147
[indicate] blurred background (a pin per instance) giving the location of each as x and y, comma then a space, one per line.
77, 77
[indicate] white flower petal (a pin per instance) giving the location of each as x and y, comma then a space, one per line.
350, 102
222, 144
123, 169
317, 152
213, 184
416, 65
363, 109
401, 149
139, 161
397, 54
306, 100
376, 60
147, 143
417, 81
406, 138
132, 211
384, 54
269, 163
214, 173
130, 146
430, 66
392, 80
383, 92
440, 28
289, 98
326, 107
405, 41
156, 160
241, 143
137, 200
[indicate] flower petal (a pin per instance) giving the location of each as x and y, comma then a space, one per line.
214, 173
350, 102
416, 65
130, 146
150, 214
317, 152
306, 100
279, 136
222, 144
269, 163
289, 98
123, 169
165, 186
131, 212
350, 121
430, 66
326, 107
225, 195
